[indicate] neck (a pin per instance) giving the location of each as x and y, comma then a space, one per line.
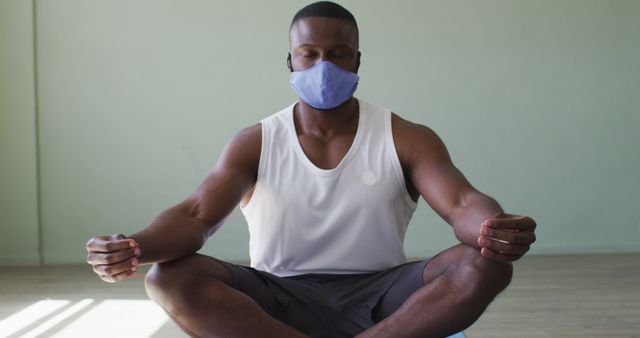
326, 123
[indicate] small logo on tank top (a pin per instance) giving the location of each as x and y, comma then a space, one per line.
369, 178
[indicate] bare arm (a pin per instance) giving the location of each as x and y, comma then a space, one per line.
433, 174
183, 229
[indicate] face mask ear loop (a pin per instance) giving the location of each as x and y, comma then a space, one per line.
289, 62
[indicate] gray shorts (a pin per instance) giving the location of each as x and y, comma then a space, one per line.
330, 305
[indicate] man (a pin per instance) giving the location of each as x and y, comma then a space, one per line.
328, 186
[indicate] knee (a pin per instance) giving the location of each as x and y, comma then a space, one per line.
164, 279
481, 275
158, 278
175, 285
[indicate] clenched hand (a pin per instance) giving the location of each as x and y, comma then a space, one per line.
506, 237
113, 258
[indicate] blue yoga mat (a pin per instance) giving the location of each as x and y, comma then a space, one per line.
458, 335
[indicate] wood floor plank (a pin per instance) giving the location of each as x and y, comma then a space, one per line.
550, 296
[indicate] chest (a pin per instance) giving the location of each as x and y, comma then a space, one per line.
326, 153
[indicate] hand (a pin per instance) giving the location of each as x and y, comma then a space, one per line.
506, 237
113, 258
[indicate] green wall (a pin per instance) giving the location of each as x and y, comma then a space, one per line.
537, 101
18, 170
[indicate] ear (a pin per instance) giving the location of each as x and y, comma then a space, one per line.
289, 62
358, 61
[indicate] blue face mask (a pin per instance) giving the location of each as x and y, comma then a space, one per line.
325, 85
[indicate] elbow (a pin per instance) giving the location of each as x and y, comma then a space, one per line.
200, 226
457, 209
192, 208
459, 214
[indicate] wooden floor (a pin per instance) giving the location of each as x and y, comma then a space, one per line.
550, 296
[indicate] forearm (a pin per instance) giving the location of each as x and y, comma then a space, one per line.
468, 217
171, 235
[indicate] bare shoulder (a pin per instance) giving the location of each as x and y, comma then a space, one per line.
243, 149
236, 168
415, 142
249, 135
232, 176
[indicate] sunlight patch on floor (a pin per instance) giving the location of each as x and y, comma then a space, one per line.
29, 315
121, 317
57, 319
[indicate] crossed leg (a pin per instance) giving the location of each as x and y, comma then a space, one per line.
459, 284
195, 293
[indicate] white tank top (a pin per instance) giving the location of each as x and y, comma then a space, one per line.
350, 219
